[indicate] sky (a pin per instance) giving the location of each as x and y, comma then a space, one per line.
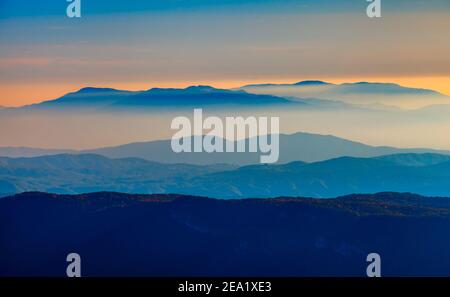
138, 45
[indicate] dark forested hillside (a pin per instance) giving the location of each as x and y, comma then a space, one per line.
170, 235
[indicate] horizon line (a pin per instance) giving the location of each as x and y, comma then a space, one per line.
225, 85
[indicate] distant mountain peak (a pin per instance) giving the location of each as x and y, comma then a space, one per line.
384, 88
94, 90
381, 84
311, 83
362, 83
201, 88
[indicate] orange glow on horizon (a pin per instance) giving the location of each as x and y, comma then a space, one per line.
15, 95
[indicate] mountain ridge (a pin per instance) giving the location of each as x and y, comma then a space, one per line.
71, 174
168, 235
109, 99
392, 87
390, 94
300, 146
247, 94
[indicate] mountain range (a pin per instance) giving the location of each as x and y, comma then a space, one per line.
171, 235
100, 117
88, 173
356, 93
351, 88
304, 147
330, 178
108, 99
425, 174
306, 94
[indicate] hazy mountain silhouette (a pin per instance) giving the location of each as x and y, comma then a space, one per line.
311, 93
422, 174
16, 152
311, 83
305, 147
335, 177
358, 93
293, 147
416, 159
107, 99
89, 173
85, 98
170, 235
344, 88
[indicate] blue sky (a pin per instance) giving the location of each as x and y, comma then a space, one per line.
14, 8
